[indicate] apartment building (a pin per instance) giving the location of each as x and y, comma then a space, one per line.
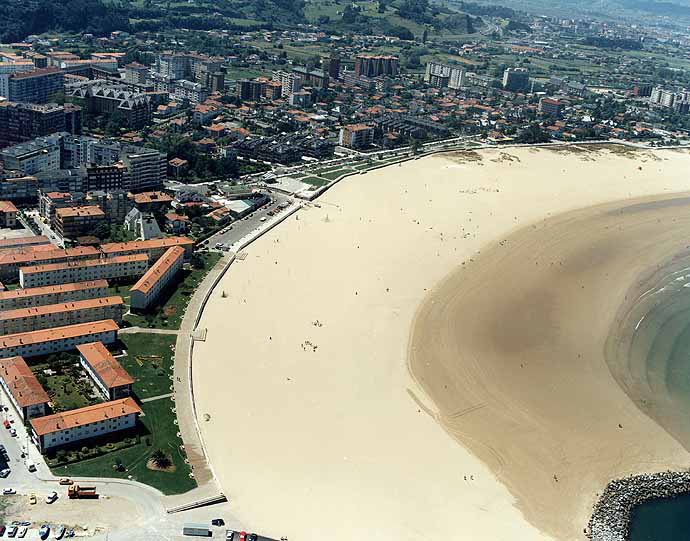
111, 268
61, 293
22, 388
7, 69
49, 202
356, 136
10, 263
110, 98
40, 154
444, 75
23, 241
136, 73
18, 188
8, 214
516, 79
146, 168
153, 248
550, 106
152, 201
374, 65
45, 342
51, 431
110, 377
161, 273
38, 318
21, 122
72, 222
37, 86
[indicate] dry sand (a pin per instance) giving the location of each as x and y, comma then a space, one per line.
317, 429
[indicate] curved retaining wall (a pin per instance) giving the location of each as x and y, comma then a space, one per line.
611, 517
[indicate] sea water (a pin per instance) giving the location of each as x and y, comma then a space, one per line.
660, 348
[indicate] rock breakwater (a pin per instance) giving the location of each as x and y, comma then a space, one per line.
611, 517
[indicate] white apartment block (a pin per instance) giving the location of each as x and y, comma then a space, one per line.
150, 285
454, 74
10, 263
22, 388
60, 429
106, 268
59, 315
31, 344
109, 376
41, 296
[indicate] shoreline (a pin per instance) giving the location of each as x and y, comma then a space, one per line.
308, 389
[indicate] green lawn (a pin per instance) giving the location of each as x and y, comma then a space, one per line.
149, 361
314, 181
332, 175
170, 308
161, 432
66, 393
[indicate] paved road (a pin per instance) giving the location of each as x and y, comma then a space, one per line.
133, 330
241, 228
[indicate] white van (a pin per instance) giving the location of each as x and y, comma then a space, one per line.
30, 465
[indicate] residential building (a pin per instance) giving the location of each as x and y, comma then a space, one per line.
136, 73
22, 388
31, 344
21, 122
109, 98
49, 202
516, 79
300, 99
40, 154
143, 224
72, 222
312, 77
444, 75
7, 69
59, 429
374, 65
146, 168
356, 136
23, 241
105, 177
153, 248
61, 293
105, 268
161, 273
190, 91
152, 201
10, 263
642, 90
18, 188
334, 66
8, 214
551, 107
49, 316
37, 86
289, 81
110, 377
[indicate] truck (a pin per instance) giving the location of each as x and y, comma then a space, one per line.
197, 530
75, 492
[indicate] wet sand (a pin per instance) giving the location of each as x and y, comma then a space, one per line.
317, 428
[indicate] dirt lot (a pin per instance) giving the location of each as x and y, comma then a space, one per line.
86, 516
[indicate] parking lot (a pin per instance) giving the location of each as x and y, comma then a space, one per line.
239, 229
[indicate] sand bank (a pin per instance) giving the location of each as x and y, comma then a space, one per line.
317, 430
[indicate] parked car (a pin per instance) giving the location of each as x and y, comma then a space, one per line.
12, 531
218, 522
13, 432
4, 473
66, 481
229, 534
6, 423
50, 498
22, 531
8, 490
253, 537
44, 531
32, 499
2, 530
59, 532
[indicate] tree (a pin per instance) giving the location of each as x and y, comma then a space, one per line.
160, 459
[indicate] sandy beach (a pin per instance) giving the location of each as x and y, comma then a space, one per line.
423, 354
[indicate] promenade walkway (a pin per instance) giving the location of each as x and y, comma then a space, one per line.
184, 402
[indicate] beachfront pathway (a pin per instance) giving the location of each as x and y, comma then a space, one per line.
132, 330
184, 401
